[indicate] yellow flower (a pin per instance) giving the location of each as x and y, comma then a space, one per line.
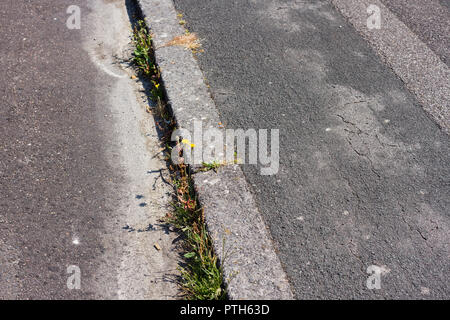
186, 141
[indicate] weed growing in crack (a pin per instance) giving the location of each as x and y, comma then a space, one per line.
214, 165
143, 58
202, 277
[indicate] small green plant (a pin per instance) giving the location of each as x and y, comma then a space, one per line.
214, 165
143, 49
143, 58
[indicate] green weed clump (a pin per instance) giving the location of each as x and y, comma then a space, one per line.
202, 277
143, 58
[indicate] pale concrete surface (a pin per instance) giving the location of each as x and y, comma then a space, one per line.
80, 159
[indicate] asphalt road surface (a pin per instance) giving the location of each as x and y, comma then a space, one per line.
76, 150
364, 170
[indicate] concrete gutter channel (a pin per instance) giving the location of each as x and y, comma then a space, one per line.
252, 268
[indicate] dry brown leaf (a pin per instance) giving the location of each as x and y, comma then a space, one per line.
189, 41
